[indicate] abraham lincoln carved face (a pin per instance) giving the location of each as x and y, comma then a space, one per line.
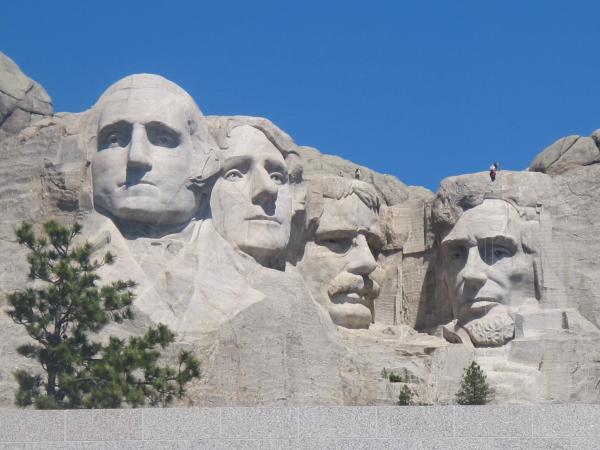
488, 271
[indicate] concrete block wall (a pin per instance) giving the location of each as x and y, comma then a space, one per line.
447, 427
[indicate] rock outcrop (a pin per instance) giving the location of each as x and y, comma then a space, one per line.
22, 100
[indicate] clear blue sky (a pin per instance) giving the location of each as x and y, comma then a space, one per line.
421, 90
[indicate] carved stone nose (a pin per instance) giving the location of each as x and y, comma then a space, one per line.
264, 189
362, 261
473, 274
139, 152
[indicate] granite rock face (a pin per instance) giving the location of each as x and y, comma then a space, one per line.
576, 222
568, 153
297, 278
503, 274
22, 100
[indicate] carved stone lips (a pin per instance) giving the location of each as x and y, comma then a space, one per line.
483, 305
349, 297
126, 185
264, 218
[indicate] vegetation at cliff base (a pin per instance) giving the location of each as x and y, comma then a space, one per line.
406, 396
474, 389
59, 311
392, 376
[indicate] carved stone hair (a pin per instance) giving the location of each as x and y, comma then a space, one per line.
336, 188
191, 110
524, 191
222, 126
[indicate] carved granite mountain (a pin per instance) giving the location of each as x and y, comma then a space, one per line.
294, 282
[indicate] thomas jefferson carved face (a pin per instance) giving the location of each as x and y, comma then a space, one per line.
339, 257
145, 156
251, 202
488, 273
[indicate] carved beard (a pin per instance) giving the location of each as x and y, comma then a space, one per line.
492, 330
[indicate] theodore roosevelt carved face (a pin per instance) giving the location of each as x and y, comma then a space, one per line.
343, 238
150, 140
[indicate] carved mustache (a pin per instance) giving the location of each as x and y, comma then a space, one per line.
347, 282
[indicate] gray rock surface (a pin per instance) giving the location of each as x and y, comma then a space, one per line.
252, 313
568, 153
22, 100
576, 219
391, 190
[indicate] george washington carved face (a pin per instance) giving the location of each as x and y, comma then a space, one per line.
149, 143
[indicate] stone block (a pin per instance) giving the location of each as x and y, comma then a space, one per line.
415, 422
492, 421
374, 444
524, 444
31, 426
89, 445
244, 444
504, 444
337, 422
103, 424
259, 423
151, 445
563, 421
181, 423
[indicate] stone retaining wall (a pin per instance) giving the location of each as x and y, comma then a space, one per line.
464, 427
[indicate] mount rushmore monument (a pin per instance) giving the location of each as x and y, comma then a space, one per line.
294, 281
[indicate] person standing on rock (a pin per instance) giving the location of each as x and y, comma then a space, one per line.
493, 169
357, 173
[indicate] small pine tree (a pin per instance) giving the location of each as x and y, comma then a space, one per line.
391, 376
395, 378
59, 313
474, 389
406, 396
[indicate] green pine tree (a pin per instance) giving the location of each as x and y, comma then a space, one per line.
59, 312
474, 389
406, 396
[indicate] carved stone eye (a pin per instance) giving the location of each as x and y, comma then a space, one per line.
277, 178
161, 135
457, 254
164, 140
501, 253
114, 135
233, 175
337, 244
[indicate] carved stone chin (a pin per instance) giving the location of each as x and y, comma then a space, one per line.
492, 330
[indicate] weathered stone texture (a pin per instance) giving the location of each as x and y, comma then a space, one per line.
295, 283
22, 100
